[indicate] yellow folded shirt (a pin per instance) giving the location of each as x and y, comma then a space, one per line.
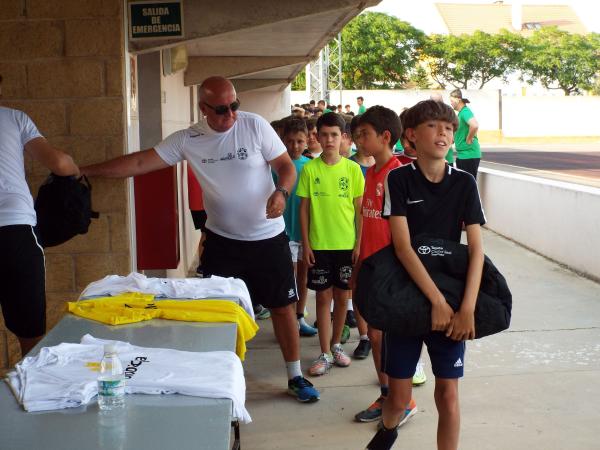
136, 307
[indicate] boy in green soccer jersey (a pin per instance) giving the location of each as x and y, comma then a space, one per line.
331, 189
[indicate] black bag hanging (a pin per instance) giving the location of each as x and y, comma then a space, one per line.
389, 300
64, 209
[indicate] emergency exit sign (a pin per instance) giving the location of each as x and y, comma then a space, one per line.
155, 20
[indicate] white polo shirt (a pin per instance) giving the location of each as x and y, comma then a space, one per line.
16, 204
233, 170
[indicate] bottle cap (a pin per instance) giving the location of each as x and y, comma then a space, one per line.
110, 348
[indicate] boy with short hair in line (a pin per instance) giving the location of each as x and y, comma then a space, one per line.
429, 196
331, 188
295, 136
313, 147
378, 129
360, 157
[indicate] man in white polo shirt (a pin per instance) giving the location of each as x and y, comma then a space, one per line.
22, 269
232, 154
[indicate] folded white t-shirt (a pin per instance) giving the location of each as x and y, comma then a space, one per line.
65, 376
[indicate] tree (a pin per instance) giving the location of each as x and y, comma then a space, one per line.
299, 83
561, 60
379, 51
475, 59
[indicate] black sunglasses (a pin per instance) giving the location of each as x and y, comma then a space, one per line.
222, 109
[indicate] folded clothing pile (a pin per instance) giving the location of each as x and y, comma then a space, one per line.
65, 376
180, 288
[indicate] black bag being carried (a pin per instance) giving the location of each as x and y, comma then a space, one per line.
389, 300
64, 209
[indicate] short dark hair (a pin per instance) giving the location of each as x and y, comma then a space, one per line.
311, 123
331, 119
383, 119
294, 126
429, 110
321, 102
360, 97
402, 118
312, 102
354, 123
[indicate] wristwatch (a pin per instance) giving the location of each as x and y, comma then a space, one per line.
284, 191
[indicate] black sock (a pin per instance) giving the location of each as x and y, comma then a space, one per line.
299, 316
384, 391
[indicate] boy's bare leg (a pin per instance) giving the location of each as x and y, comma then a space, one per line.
446, 401
340, 306
301, 275
286, 331
324, 318
361, 323
376, 336
399, 395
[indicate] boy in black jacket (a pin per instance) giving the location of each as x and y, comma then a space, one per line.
429, 196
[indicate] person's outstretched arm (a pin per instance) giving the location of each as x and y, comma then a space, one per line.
57, 161
130, 165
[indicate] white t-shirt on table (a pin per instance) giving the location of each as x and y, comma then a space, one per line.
233, 170
16, 203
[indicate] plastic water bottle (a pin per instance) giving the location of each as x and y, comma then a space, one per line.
111, 381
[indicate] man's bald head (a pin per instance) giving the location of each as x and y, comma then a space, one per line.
215, 87
213, 92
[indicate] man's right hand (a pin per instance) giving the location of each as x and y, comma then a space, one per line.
308, 256
441, 315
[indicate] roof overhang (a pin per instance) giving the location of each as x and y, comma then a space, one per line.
259, 43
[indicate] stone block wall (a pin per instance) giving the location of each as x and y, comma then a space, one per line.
62, 63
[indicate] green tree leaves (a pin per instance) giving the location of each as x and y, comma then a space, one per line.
560, 60
380, 51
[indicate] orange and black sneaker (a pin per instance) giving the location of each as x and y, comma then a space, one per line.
372, 413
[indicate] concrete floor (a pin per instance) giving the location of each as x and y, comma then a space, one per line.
535, 386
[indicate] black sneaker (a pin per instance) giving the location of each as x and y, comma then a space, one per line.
383, 440
350, 319
362, 349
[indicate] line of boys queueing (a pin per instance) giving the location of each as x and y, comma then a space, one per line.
334, 221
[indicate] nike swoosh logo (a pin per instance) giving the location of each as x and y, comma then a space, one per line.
412, 202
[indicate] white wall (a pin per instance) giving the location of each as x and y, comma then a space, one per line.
551, 116
530, 116
556, 219
272, 105
176, 115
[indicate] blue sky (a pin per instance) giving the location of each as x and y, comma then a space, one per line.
422, 14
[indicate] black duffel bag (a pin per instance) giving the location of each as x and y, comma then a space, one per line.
64, 209
389, 300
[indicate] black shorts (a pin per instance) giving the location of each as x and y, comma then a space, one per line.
469, 165
332, 268
265, 266
199, 218
23, 278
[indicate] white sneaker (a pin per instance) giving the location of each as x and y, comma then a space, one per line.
419, 377
321, 365
339, 356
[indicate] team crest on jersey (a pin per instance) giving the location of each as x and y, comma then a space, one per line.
343, 183
242, 153
379, 190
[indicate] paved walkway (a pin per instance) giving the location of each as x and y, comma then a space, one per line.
533, 387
